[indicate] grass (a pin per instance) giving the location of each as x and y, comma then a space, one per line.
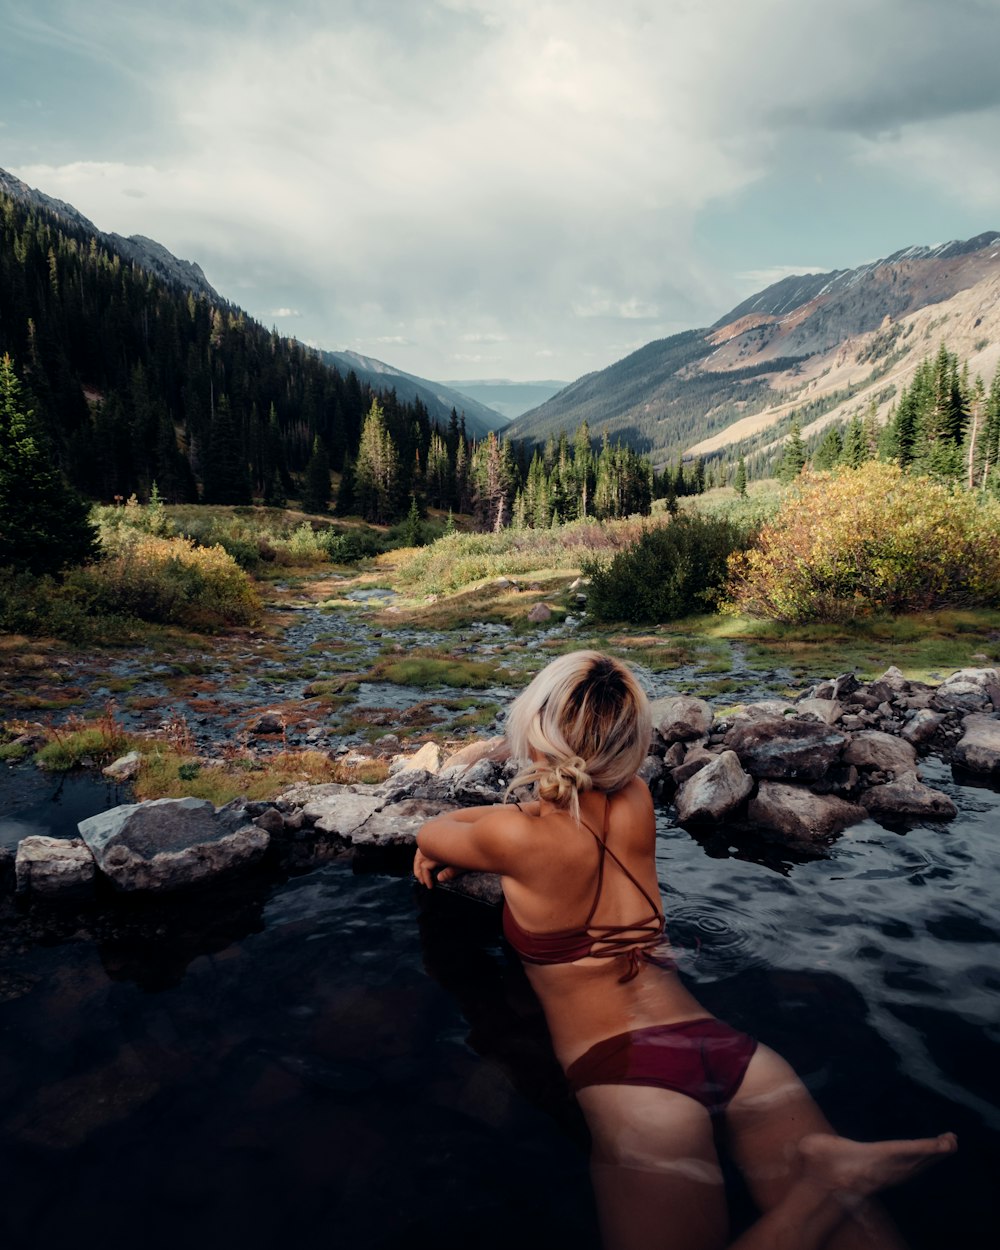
166, 773
432, 669
100, 741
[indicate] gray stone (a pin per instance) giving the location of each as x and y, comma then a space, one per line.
674, 755
957, 695
269, 722
873, 749
786, 748
271, 820
695, 759
539, 613
766, 709
397, 825
484, 887
922, 726
680, 717
167, 844
715, 791
798, 815
54, 866
978, 750
893, 678
651, 771
124, 768
427, 759
829, 711
342, 814
908, 798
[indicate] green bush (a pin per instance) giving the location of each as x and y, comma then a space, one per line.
673, 571
42, 607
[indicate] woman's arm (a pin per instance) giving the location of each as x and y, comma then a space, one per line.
476, 839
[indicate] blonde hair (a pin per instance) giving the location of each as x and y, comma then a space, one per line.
584, 723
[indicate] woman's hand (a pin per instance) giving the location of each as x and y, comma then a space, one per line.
424, 870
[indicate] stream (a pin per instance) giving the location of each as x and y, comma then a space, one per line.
344, 1059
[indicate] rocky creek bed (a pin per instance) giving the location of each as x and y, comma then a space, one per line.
264, 1016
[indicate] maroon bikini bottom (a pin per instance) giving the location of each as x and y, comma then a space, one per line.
704, 1059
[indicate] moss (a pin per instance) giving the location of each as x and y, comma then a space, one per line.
433, 670
65, 750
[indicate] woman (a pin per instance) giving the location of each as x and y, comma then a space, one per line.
654, 1073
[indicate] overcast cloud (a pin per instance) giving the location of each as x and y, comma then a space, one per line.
507, 188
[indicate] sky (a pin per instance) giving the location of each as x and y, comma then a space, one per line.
523, 189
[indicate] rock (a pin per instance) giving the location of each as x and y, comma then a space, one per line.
786, 748
799, 815
579, 583
873, 749
398, 824
894, 679
679, 717
413, 783
427, 759
270, 722
54, 866
342, 814
167, 844
651, 771
271, 820
695, 759
715, 791
922, 726
908, 798
845, 684
958, 695
124, 768
485, 749
978, 750
482, 783
829, 711
765, 709
540, 612
388, 744
484, 887
674, 755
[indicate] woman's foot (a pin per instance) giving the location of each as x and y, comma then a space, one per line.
860, 1169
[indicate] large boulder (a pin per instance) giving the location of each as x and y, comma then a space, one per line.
125, 768
872, 749
714, 791
427, 759
829, 711
786, 748
679, 717
907, 798
978, 750
167, 844
800, 816
54, 866
341, 815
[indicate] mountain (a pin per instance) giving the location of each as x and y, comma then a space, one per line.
814, 347
508, 398
147, 253
438, 397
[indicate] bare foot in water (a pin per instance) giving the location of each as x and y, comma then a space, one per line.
863, 1168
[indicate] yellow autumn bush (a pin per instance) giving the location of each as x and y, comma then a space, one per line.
867, 540
169, 580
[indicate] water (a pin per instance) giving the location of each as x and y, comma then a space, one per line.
340, 1059
36, 802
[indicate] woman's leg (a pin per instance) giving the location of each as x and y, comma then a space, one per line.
659, 1187
772, 1125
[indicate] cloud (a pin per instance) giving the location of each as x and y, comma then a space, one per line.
760, 278
500, 172
285, 312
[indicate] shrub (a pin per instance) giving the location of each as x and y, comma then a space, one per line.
866, 540
168, 580
672, 571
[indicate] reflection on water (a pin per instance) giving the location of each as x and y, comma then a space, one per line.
339, 1059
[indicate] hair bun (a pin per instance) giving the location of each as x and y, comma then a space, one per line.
557, 784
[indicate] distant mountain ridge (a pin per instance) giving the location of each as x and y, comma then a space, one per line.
506, 397
151, 255
438, 397
814, 345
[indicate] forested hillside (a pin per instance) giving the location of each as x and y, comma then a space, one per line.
136, 380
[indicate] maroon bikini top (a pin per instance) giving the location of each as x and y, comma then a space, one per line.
600, 941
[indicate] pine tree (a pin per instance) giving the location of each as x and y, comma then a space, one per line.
376, 472
346, 500
44, 524
226, 473
740, 480
316, 488
855, 450
829, 451
793, 459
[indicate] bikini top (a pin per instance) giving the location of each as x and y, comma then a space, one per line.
589, 940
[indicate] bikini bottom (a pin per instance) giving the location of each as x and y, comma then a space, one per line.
704, 1059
